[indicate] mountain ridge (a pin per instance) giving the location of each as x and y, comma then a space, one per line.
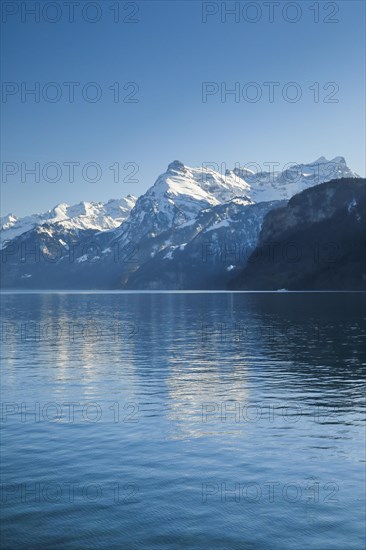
85, 215
166, 229
201, 183
317, 241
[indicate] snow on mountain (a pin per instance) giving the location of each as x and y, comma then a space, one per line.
129, 242
203, 254
180, 193
177, 197
85, 215
267, 186
206, 186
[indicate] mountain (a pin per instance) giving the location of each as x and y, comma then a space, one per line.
272, 185
186, 214
96, 216
162, 217
177, 197
317, 241
203, 254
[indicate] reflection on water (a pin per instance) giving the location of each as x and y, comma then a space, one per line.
183, 421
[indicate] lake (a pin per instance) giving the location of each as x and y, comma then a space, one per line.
183, 420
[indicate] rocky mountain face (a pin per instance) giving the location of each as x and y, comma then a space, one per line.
317, 241
194, 228
204, 254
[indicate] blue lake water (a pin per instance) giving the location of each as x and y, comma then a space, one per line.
164, 421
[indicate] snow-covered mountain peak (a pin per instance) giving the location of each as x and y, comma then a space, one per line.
177, 197
176, 166
182, 192
193, 189
126, 202
282, 185
7, 221
59, 212
96, 216
339, 160
323, 160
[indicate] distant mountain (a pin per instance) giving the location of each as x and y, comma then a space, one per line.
194, 228
272, 185
96, 216
178, 196
317, 241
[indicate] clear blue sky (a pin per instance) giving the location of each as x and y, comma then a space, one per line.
169, 52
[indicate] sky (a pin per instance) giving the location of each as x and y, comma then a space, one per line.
125, 88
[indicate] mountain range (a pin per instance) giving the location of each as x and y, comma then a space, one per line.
195, 228
96, 216
316, 241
